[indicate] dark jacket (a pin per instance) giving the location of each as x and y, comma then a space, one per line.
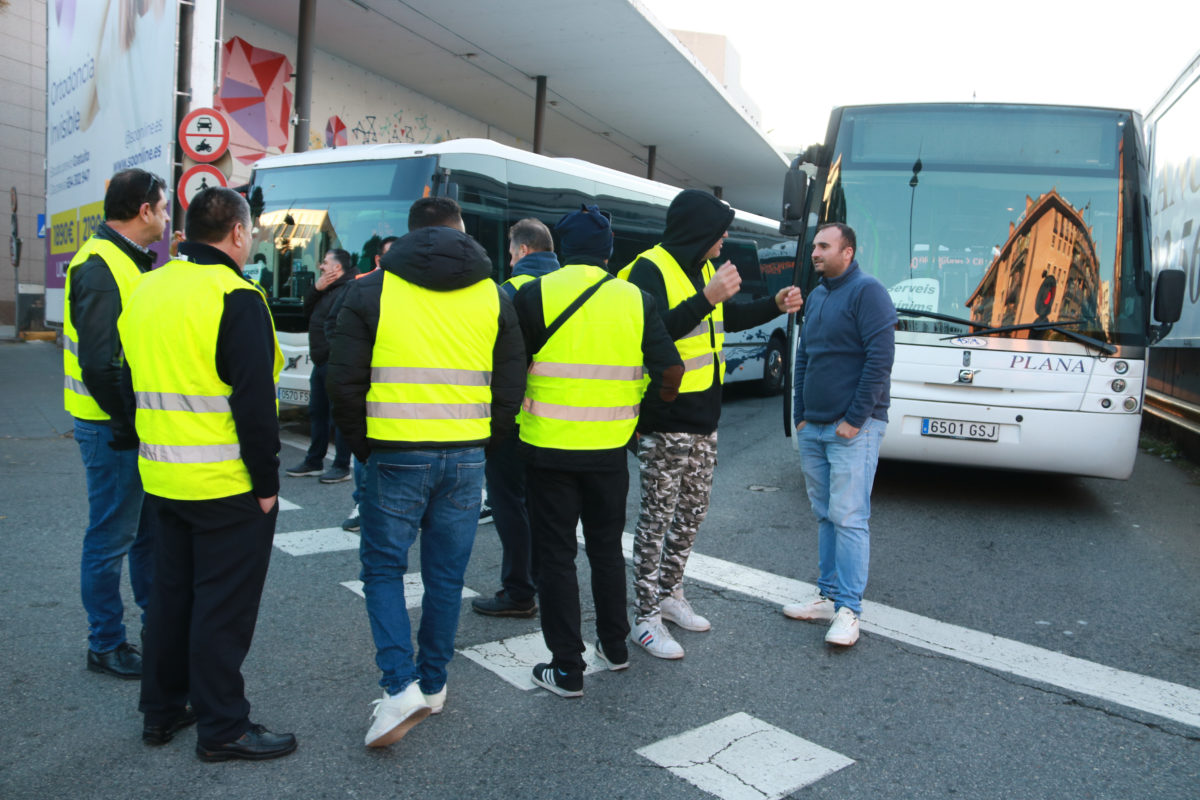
847, 345
95, 306
659, 356
245, 361
695, 221
441, 259
319, 306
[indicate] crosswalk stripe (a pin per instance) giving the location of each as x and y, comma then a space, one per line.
1140, 692
513, 659
414, 587
319, 540
743, 758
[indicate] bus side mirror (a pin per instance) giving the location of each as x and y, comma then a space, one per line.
1168, 295
795, 193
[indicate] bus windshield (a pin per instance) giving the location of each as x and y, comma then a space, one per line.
1011, 217
303, 211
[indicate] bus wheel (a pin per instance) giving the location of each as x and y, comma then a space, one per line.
773, 368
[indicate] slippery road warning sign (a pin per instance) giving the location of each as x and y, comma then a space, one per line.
204, 135
196, 180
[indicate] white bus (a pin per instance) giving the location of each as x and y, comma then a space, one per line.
354, 197
1014, 241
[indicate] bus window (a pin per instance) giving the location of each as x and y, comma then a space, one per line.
744, 255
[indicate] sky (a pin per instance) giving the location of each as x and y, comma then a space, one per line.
799, 59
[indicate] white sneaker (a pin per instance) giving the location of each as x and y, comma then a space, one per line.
820, 608
844, 630
652, 637
677, 609
435, 701
395, 715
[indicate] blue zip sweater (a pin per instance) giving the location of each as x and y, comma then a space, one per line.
847, 345
537, 264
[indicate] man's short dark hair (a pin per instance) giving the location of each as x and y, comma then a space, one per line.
430, 212
846, 231
386, 243
342, 257
128, 189
532, 233
212, 214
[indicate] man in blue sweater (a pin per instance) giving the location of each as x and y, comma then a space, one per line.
842, 378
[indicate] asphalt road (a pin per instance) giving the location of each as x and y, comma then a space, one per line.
1105, 572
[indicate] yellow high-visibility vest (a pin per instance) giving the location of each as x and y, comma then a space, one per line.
517, 281
77, 399
189, 445
584, 388
431, 367
703, 344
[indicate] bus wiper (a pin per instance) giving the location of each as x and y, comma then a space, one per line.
916, 312
1103, 347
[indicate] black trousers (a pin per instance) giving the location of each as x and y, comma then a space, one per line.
558, 500
505, 473
210, 560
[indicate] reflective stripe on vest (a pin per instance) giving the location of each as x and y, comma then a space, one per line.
77, 400
699, 346
189, 445
585, 385
431, 365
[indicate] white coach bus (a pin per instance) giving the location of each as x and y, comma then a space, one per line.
354, 197
1014, 241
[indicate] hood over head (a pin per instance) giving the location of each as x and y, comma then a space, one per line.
442, 259
695, 221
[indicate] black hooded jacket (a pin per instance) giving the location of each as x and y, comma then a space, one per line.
441, 259
696, 220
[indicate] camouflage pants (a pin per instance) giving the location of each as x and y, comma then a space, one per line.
676, 472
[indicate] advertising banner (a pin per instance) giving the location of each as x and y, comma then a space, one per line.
110, 105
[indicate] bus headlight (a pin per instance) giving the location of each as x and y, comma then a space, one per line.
1131, 404
1118, 385
1121, 367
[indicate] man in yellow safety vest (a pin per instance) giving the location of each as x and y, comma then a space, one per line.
204, 360
677, 446
100, 279
426, 368
591, 340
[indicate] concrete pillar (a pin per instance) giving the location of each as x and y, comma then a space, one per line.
539, 113
304, 68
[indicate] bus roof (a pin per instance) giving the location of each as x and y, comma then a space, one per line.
571, 166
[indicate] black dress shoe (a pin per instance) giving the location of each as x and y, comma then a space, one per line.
503, 606
165, 732
256, 744
125, 662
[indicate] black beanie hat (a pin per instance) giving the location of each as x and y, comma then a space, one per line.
586, 233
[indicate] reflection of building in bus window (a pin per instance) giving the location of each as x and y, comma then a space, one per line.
1046, 270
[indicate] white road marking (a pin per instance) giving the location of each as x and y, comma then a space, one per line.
513, 659
299, 442
413, 589
287, 505
321, 540
1161, 698
743, 758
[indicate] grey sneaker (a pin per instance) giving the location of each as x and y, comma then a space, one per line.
305, 469
335, 475
352, 523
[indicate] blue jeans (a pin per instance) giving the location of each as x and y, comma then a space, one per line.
435, 493
839, 474
320, 422
116, 528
